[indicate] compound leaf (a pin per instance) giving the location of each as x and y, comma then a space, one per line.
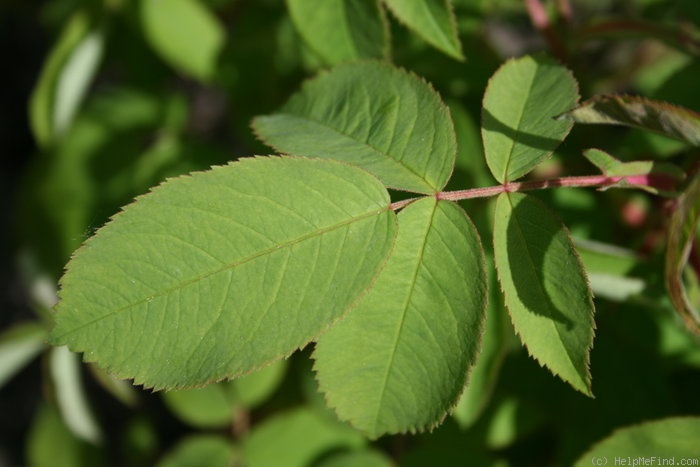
545, 287
660, 117
216, 274
433, 20
342, 30
666, 439
400, 360
373, 115
517, 119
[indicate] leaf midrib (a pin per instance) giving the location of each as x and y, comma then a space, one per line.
514, 140
223, 268
404, 308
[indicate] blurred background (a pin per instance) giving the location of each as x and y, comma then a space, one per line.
101, 100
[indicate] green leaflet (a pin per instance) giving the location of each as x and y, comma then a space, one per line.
681, 236
65, 78
342, 30
400, 360
545, 287
188, 36
517, 123
658, 441
369, 114
654, 177
203, 449
216, 274
433, 20
660, 117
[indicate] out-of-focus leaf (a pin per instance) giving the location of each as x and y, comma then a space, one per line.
342, 30
299, 437
51, 444
545, 287
400, 360
654, 177
482, 380
65, 78
185, 34
660, 117
253, 389
121, 389
373, 115
666, 439
205, 407
19, 345
245, 262
359, 458
433, 20
64, 367
202, 450
517, 123
681, 237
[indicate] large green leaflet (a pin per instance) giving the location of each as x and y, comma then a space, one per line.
545, 287
372, 115
400, 360
517, 119
342, 30
216, 274
433, 20
659, 441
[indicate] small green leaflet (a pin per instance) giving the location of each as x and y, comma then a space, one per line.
400, 360
342, 30
545, 287
681, 236
517, 118
652, 176
216, 274
669, 438
433, 20
373, 115
660, 117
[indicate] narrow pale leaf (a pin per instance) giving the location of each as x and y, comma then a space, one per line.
188, 36
65, 78
342, 30
681, 236
433, 20
215, 274
70, 395
517, 119
373, 115
19, 345
660, 117
400, 360
652, 176
545, 287
656, 441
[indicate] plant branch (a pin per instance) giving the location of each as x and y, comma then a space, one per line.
598, 181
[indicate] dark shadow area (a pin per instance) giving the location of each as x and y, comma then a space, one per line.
490, 123
529, 237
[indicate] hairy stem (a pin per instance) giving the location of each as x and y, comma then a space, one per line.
599, 181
